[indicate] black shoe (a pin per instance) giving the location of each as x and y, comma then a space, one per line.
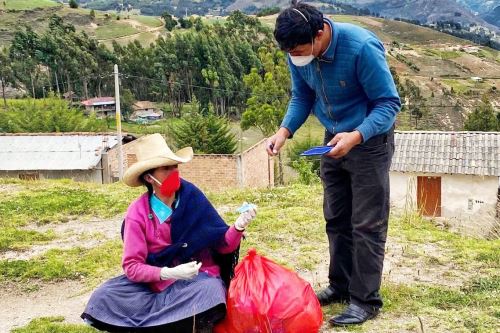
353, 315
330, 295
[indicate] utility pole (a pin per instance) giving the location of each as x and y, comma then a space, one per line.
118, 123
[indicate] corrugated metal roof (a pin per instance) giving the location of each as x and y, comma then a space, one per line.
53, 152
468, 153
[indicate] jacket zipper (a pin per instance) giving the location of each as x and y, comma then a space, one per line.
328, 105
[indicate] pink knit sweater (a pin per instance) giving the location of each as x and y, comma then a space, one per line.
143, 236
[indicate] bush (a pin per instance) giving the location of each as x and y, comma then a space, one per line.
305, 168
298, 147
207, 134
73, 4
46, 116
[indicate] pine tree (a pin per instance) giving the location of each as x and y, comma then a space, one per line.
207, 134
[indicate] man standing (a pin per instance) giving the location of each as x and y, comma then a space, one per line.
340, 74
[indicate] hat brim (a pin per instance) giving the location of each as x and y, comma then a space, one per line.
131, 176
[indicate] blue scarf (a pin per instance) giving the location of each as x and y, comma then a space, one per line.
195, 225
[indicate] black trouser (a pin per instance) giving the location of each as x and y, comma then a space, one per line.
356, 210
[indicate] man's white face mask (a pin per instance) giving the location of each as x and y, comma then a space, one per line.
303, 60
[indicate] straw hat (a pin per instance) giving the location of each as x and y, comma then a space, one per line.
152, 152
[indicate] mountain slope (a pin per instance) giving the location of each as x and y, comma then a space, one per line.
425, 11
480, 6
493, 16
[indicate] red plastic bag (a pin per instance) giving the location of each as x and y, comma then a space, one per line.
265, 297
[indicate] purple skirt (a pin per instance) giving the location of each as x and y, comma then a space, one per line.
121, 302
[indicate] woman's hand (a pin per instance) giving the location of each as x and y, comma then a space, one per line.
181, 272
245, 218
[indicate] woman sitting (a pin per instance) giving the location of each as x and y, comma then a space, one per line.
172, 236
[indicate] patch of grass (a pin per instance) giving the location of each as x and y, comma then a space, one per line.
16, 239
287, 216
53, 325
27, 4
213, 20
453, 309
150, 21
58, 201
114, 29
464, 250
442, 54
55, 265
458, 86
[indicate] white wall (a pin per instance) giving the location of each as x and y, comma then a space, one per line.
467, 202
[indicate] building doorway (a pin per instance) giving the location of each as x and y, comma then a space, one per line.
429, 195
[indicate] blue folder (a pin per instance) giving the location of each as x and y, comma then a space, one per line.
319, 150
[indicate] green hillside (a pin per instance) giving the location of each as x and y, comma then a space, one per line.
27, 4
440, 65
105, 25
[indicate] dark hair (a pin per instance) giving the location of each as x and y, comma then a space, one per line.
147, 184
292, 29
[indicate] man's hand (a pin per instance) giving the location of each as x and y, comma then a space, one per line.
181, 272
277, 141
343, 143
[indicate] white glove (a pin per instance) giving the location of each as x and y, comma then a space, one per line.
245, 218
181, 272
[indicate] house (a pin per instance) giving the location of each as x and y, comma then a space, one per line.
454, 175
103, 107
77, 156
145, 111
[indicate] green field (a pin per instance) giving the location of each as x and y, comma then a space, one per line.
114, 30
27, 4
149, 21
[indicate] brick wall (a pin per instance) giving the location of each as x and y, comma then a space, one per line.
257, 167
216, 172
212, 172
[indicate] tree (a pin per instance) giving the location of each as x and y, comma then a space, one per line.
92, 14
483, 118
185, 23
127, 101
207, 134
270, 93
46, 116
416, 102
73, 4
23, 55
170, 21
6, 73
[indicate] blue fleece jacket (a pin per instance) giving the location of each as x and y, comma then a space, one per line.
348, 88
